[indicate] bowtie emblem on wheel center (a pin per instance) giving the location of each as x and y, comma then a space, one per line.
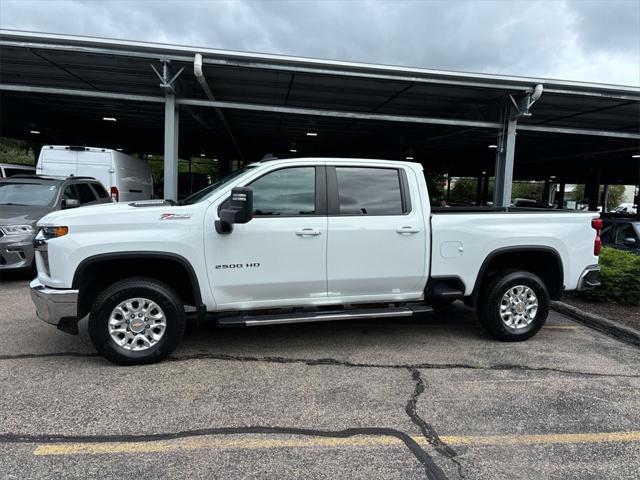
137, 325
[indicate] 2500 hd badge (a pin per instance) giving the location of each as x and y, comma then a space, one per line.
225, 266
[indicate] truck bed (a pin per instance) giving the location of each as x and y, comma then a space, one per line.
463, 238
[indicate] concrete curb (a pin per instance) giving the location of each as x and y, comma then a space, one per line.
613, 329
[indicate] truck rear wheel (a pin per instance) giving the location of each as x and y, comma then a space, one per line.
136, 321
514, 306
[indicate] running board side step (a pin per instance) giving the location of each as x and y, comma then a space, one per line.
322, 316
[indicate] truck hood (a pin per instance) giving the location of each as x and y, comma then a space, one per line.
116, 213
22, 214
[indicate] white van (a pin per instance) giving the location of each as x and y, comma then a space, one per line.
125, 177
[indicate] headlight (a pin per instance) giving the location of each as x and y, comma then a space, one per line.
16, 229
54, 232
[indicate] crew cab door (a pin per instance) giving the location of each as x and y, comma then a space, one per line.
279, 257
377, 247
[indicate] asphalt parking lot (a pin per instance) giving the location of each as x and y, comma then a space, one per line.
431, 397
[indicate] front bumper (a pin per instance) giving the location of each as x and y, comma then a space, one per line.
589, 278
53, 305
16, 251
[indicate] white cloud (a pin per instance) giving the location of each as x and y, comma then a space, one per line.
584, 40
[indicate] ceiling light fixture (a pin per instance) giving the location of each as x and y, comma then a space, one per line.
35, 132
632, 156
408, 158
109, 119
119, 149
293, 150
202, 154
312, 134
493, 146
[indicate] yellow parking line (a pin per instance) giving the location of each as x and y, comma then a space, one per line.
601, 437
229, 443
254, 443
560, 327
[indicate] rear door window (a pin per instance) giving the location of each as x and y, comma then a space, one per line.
369, 191
100, 191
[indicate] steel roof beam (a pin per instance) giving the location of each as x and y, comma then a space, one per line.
80, 93
314, 112
310, 65
579, 131
337, 113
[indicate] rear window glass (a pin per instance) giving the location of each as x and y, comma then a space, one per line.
369, 191
102, 193
33, 194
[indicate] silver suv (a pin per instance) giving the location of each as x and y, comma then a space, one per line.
25, 199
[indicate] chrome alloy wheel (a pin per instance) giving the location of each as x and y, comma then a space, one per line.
137, 324
518, 307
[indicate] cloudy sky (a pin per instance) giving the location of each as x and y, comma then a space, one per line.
586, 40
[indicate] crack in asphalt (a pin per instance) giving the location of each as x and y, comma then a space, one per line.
427, 430
342, 363
432, 470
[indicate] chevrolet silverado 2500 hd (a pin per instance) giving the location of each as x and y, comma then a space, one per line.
300, 240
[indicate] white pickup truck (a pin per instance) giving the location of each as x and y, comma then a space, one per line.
302, 240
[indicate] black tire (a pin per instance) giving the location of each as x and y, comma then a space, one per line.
491, 298
150, 289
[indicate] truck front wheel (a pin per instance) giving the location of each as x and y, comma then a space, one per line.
514, 305
136, 321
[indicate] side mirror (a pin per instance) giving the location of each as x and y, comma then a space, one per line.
239, 210
630, 242
70, 203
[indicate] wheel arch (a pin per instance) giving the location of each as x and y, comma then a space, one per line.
94, 273
542, 261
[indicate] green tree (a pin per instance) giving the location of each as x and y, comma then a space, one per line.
16, 151
529, 190
437, 187
464, 190
616, 196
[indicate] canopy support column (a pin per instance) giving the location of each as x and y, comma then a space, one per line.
171, 126
505, 154
504, 165
170, 147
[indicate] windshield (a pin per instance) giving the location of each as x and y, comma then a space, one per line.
30, 194
205, 192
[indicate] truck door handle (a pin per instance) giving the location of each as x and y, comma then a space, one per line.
307, 232
408, 230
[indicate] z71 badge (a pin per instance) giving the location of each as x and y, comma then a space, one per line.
175, 216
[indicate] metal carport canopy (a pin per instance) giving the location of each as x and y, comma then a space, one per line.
62, 86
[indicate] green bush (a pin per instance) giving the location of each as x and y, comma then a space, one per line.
620, 277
